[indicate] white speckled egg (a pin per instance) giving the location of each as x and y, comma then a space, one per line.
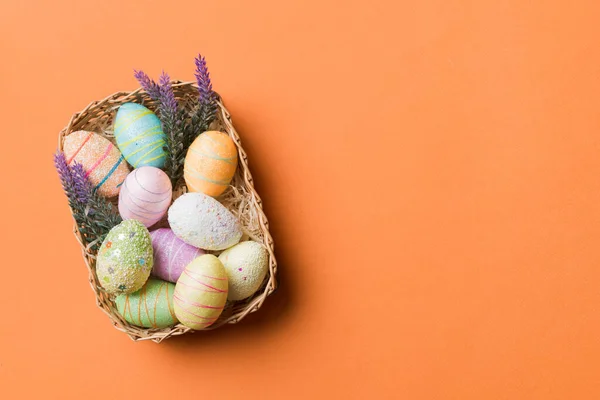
203, 222
125, 258
246, 264
145, 195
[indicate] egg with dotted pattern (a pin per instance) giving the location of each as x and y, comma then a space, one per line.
139, 136
246, 264
125, 258
101, 159
203, 222
146, 195
201, 292
210, 163
149, 307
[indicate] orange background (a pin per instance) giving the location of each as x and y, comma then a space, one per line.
431, 170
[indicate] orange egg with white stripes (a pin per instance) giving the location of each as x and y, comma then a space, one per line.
101, 159
210, 163
201, 292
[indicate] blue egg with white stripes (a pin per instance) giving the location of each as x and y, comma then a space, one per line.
139, 136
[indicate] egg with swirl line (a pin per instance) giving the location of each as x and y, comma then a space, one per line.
145, 195
139, 136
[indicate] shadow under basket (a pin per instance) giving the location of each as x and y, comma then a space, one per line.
240, 198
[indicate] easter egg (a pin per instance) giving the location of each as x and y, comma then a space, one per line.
246, 265
149, 307
201, 221
171, 254
145, 195
125, 258
139, 136
201, 292
210, 163
103, 162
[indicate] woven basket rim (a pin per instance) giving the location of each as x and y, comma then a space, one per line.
103, 300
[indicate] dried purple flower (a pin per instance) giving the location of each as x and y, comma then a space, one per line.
207, 98
82, 187
147, 84
64, 172
74, 180
171, 120
203, 79
181, 127
167, 97
172, 127
93, 214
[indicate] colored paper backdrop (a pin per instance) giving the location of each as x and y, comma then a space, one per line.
431, 170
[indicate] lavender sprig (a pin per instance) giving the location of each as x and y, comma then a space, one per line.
82, 187
207, 100
147, 84
167, 96
73, 182
93, 214
181, 127
171, 121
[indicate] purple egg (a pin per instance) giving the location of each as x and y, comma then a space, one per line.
171, 254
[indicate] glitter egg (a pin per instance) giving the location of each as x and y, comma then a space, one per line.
171, 254
210, 163
100, 158
125, 258
149, 307
201, 292
139, 136
246, 264
146, 195
203, 222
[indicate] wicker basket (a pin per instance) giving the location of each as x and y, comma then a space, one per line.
240, 198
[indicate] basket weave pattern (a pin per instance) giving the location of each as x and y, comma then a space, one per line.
240, 198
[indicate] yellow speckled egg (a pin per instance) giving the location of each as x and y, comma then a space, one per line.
210, 163
246, 264
102, 160
201, 292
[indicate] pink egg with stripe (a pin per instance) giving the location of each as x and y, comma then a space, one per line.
201, 292
145, 195
104, 165
171, 254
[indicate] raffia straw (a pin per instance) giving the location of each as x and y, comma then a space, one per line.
240, 198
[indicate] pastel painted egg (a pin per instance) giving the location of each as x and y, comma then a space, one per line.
246, 264
102, 161
151, 306
139, 136
201, 292
146, 195
125, 258
210, 163
171, 254
201, 221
